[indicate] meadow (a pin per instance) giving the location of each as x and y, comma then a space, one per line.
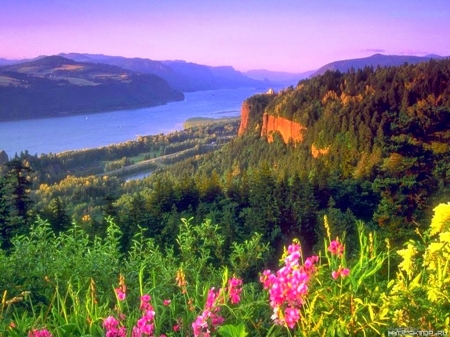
72, 285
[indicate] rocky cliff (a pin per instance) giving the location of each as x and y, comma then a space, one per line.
289, 130
245, 117
253, 118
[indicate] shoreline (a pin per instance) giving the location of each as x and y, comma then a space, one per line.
89, 112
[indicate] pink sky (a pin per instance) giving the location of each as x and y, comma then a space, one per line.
283, 35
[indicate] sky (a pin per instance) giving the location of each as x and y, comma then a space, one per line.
278, 35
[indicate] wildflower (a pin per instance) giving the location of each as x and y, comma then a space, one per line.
441, 219
289, 286
234, 290
291, 315
120, 294
110, 323
144, 326
122, 289
336, 248
145, 302
342, 272
166, 302
181, 280
327, 226
145, 298
309, 265
112, 328
408, 263
210, 314
176, 328
39, 333
199, 325
191, 305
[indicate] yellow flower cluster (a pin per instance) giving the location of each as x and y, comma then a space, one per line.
441, 219
407, 264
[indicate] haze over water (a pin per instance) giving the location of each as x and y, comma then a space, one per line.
94, 130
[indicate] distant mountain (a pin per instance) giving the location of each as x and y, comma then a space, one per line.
181, 75
5, 62
374, 61
54, 86
278, 76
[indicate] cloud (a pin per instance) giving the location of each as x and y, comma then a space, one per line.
373, 51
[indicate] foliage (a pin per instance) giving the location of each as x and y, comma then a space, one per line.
420, 295
334, 293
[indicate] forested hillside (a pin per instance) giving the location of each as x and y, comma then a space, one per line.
55, 86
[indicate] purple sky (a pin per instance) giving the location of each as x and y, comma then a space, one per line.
284, 35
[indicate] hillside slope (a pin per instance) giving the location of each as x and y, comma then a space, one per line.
389, 126
56, 86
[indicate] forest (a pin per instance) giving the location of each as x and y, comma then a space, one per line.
386, 168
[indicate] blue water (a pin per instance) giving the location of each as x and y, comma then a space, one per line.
94, 130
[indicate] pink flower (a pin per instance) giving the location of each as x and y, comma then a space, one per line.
342, 272
120, 294
291, 316
166, 302
145, 298
176, 328
336, 248
210, 299
288, 288
199, 325
39, 333
112, 328
110, 323
234, 290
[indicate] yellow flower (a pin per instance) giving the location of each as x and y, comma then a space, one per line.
445, 238
441, 219
327, 226
407, 254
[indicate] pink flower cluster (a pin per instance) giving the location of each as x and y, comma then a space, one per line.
39, 333
336, 248
113, 328
234, 290
289, 286
210, 313
210, 317
144, 326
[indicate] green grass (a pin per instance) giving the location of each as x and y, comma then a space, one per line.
198, 121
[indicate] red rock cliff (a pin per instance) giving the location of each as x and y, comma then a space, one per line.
245, 116
288, 129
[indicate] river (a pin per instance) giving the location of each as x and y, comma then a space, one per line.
94, 130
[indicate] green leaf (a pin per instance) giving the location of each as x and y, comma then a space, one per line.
233, 330
371, 313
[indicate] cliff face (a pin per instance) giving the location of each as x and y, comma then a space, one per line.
245, 117
288, 129
252, 114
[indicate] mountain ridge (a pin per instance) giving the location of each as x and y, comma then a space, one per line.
181, 75
56, 86
374, 61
